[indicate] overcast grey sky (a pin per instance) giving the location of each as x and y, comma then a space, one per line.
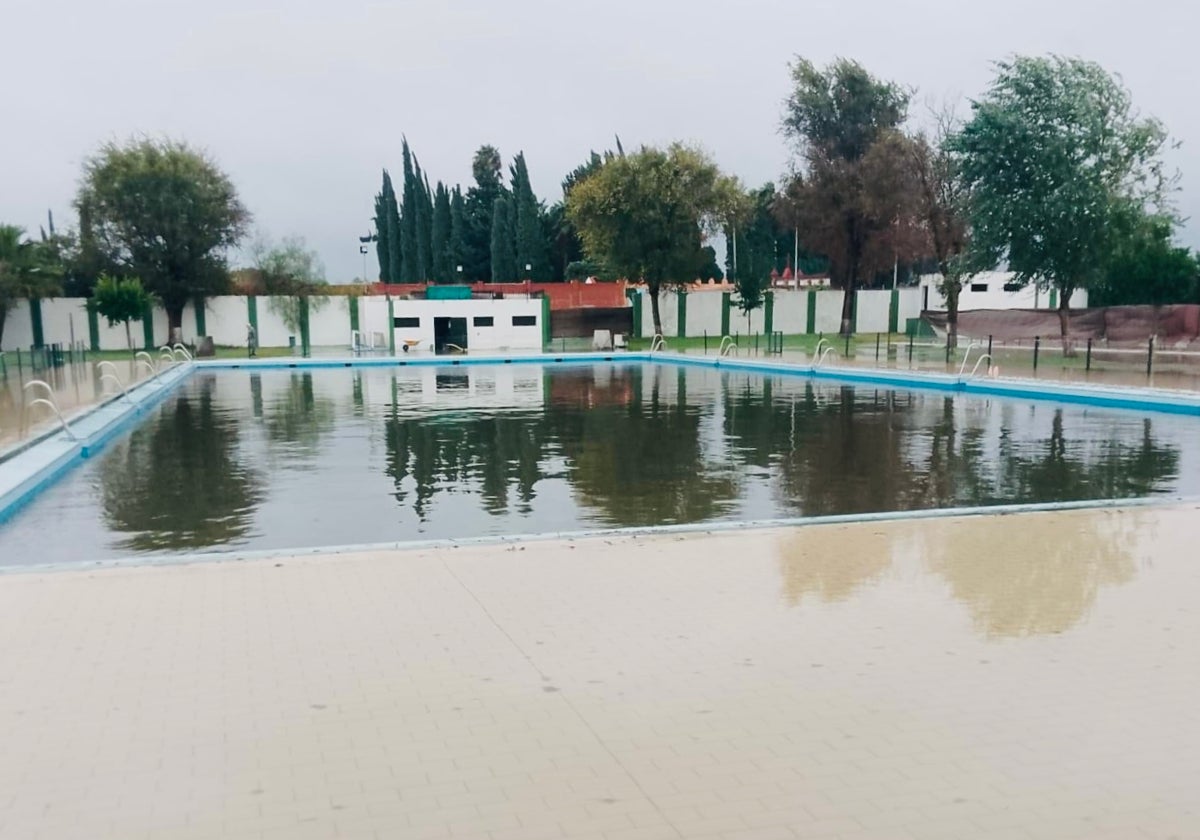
302, 102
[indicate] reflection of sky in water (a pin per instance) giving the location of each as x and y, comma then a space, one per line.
283, 459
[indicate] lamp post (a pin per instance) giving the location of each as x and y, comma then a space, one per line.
458, 270
364, 249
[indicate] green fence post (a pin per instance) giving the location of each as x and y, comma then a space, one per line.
352, 300
148, 327
201, 325
725, 300
93, 329
635, 302
854, 313
768, 312
35, 318
391, 326
252, 315
546, 332
810, 326
681, 297
305, 343
894, 312
1054, 298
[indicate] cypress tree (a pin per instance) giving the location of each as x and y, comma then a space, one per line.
423, 202
383, 240
504, 258
443, 271
410, 267
458, 243
529, 238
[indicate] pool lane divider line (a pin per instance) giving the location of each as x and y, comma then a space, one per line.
31, 470
691, 528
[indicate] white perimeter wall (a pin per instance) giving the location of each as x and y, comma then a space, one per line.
227, 317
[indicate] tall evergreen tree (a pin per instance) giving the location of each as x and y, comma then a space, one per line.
424, 204
480, 202
503, 255
387, 228
458, 243
410, 267
443, 271
529, 238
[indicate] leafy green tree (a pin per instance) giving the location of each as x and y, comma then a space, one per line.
289, 271
120, 301
503, 258
851, 187
387, 229
759, 238
530, 238
443, 268
645, 214
583, 269
480, 203
28, 269
167, 214
942, 210
1058, 165
1149, 269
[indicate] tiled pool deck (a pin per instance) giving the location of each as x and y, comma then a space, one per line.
1024, 676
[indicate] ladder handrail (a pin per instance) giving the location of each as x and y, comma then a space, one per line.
179, 348
658, 343
115, 377
970, 346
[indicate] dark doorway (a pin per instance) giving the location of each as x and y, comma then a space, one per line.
449, 331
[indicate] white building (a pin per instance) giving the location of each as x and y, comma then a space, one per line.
995, 290
469, 324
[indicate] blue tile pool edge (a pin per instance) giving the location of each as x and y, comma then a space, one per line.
165, 560
30, 471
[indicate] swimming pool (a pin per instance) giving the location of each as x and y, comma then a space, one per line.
247, 459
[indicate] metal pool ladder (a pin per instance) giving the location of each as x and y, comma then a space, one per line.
48, 400
820, 355
659, 343
728, 346
985, 357
115, 377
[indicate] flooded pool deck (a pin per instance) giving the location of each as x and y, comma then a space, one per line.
1028, 676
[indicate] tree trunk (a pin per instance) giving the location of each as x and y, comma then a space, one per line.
952, 317
1064, 321
3, 318
174, 322
654, 310
847, 307
128, 336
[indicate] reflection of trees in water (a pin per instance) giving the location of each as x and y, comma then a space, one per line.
641, 463
849, 452
1034, 574
816, 562
178, 481
295, 416
489, 451
833, 451
1107, 469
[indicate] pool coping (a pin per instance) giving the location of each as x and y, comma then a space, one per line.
27, 473
689, 528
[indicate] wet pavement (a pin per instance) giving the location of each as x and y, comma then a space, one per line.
1021, 676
